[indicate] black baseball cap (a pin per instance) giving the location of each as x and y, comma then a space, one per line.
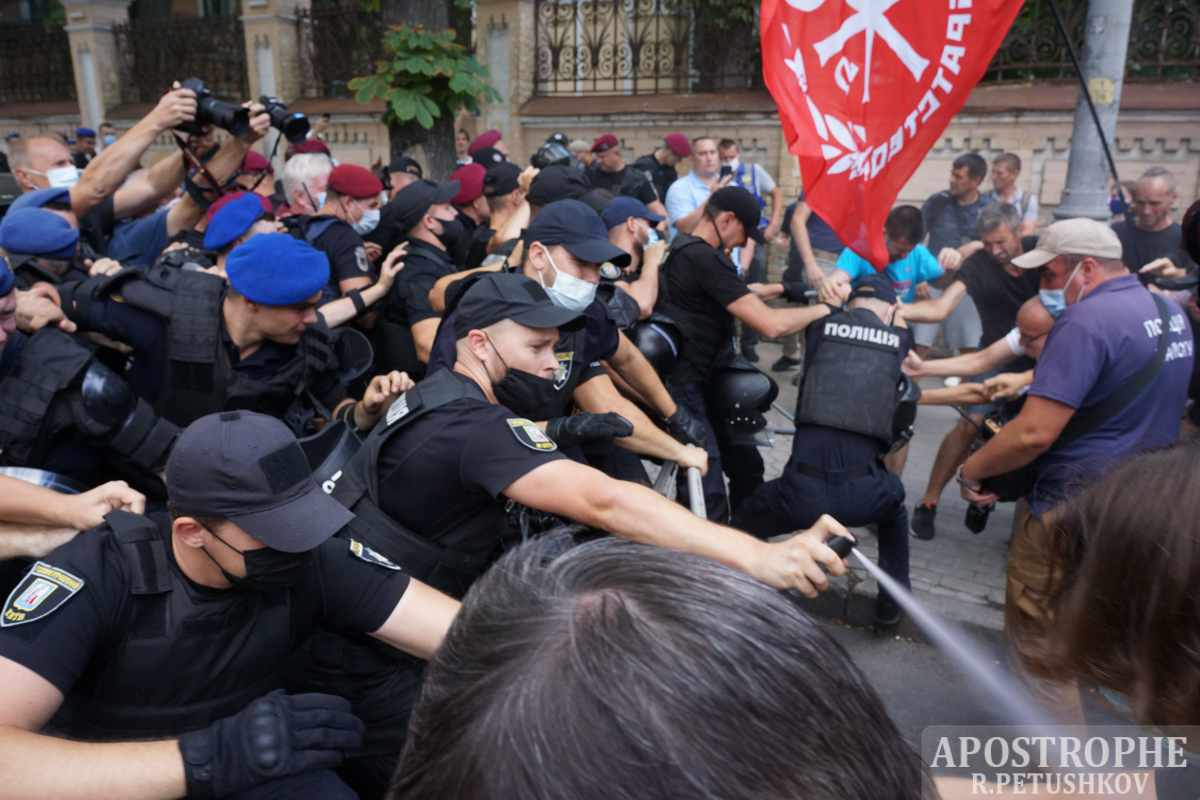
744, 207
877, 286
406, 164
578, 229
487, 156
558, 183
500, 179
505, 295
249, 468
413, 201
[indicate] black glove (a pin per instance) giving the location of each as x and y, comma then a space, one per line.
275, 736
685, 428
584, 427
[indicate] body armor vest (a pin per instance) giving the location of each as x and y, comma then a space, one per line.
177, 668
49, 362
850, 381
447, 569
687, 320
198, 378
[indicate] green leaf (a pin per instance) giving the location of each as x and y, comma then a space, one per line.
423, 118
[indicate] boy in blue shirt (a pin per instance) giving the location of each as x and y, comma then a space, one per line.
909, 263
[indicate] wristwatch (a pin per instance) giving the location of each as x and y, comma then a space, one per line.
974, 486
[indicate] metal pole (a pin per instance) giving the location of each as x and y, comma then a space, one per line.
1101, 77
696, 491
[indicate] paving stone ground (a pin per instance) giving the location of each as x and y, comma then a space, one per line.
958, 573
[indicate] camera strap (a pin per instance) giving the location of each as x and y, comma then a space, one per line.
193, 161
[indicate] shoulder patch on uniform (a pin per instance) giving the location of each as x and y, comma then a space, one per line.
398, 409
530, 435
563, 373
360, 257
608, 270
371, 556
44, 590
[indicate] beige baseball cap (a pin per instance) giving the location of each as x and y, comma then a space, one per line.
1079, 237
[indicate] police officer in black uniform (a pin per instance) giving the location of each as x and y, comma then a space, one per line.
565, 246
201, 346
845, 423
431, 483
408, 324
700, 291
40, 247
179, 632
64, 412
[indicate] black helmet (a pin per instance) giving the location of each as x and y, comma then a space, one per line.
739, 394
658, 338
558, 137
354, 353
905, 415
329, 451
551, 154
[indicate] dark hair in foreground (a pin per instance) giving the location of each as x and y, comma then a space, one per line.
905, 222
617, 671
976, 166
1127, 600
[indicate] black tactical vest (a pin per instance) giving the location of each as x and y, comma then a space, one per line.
49, 362
198, 379
687, 320
179, 667
850, 379
447, 569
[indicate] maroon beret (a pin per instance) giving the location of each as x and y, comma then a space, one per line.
310, 146
485, 139
470, 178
354, 181
255, 163
605, 143
679, 143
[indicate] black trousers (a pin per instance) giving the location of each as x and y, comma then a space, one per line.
794, 501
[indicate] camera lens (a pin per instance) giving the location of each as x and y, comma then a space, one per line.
234, 119
294, 127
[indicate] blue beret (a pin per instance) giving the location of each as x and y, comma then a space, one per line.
37, 232
6, 278
39, 197
85, 132
232, 220
276, 269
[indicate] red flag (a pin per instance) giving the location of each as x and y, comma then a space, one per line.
865, 89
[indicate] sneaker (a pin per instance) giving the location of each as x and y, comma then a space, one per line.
785, 363
887, 611
921, 524
750, 355
952, 381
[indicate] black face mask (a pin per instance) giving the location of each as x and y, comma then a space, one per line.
521, 391
452, 231
267, 570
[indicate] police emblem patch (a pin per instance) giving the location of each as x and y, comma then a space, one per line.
610, 271
360, 258
371, 556
530, 435
563, 373
42, 591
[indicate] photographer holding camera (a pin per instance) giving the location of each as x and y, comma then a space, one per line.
139, 241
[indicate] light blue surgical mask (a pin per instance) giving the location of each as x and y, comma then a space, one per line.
568, 291
109, 139
62, 177
367, 222
1055, 300
651, 235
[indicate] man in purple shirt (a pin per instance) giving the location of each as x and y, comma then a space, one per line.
1079, 418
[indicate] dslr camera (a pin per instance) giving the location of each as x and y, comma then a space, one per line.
211, 111
294, 127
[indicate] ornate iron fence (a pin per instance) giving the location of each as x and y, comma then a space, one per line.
1164, 41
35, 65
337, 44
640, 47
154, 53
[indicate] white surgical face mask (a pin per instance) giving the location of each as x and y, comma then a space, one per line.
61, 177
368, 222
733, 165
568, 291
651, 236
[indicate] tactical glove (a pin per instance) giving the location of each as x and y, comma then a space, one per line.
584, 427
275, 736
685, 428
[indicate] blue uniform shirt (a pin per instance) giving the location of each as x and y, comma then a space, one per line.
1096, 347
139, 241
